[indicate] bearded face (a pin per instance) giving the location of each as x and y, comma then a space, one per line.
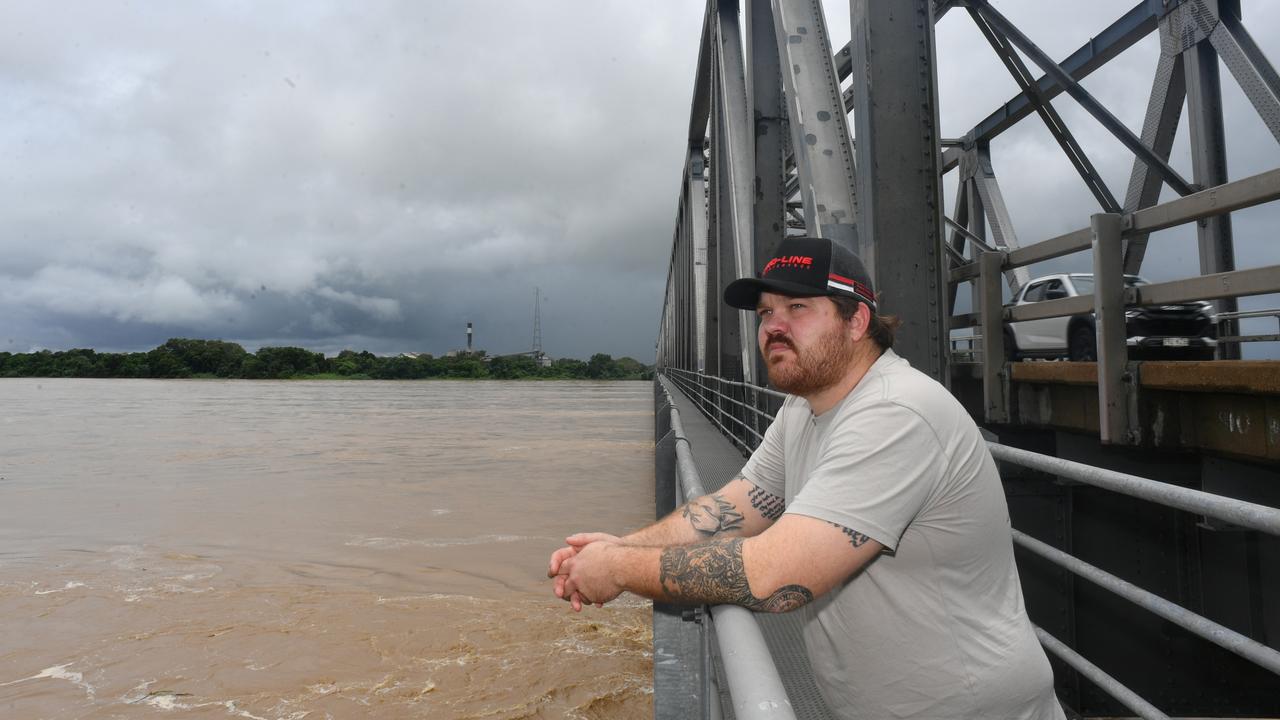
811, 352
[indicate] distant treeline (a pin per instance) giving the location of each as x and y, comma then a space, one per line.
182, 358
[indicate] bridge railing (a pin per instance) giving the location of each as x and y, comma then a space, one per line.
754, 684
699, 386
1105, 237
1225, 321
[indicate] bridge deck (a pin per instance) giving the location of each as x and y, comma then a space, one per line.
1227, 407
718, 461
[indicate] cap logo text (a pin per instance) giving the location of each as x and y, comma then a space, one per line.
796, 261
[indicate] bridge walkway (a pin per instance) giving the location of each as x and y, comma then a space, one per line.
718, 461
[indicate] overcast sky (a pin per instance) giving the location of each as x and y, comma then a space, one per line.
374, 175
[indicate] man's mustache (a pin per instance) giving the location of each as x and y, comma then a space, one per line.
779, 339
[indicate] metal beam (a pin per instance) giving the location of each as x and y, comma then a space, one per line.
1164, 108
819, 127
1239, 283
1064, 244
1052, 121
990, 200
959, 233
764, 83
1082, 96
1251, 69
899, 195
1110, 334
769, 211
995, 384
1237, 195
1208, 148
738, 163
1121, 35
696, 211
700, 110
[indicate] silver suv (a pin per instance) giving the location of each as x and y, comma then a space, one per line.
1186, 331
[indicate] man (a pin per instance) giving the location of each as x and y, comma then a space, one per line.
872, 506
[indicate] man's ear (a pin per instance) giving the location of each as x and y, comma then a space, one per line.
859, 323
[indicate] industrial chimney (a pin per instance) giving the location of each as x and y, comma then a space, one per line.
468, 338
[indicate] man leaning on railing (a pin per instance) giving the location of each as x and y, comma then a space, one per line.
872, 506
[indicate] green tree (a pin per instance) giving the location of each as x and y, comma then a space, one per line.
513, 367
286, 362
602, 367
567, 368
163, 363
208, 357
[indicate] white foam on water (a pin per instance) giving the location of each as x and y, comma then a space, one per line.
72, 585
168, 700
181, 589
131, 554
164, 701
428, 596
134, 594
440, 511
58, 672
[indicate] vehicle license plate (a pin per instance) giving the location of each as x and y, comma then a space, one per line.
1176, 342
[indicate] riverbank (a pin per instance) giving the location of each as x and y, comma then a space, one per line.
185, 358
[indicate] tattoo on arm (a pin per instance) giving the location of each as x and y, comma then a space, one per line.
856, 538
712, 572
769, 505
709, 520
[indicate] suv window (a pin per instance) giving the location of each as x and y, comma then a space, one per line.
1054, 289
1035, 293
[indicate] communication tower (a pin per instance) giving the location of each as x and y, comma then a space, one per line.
537, 323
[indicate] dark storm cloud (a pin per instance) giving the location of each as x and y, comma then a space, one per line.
327, 174
376, 175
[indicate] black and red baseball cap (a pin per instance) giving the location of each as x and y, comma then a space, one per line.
805, 267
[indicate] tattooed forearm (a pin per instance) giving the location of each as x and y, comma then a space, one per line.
856, 538
712, 572
769, 505
710, 519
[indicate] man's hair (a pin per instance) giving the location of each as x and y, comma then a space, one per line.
881, 328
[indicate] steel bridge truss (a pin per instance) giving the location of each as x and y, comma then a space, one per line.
787, 137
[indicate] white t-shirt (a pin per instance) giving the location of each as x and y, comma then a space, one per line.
935, 626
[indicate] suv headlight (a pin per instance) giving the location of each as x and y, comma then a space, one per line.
1133, 313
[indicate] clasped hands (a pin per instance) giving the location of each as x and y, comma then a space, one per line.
582, 570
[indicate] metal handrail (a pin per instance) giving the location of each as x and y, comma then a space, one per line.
1219, 635
749, 386
755, 687
728, 433
739, 403
1247, 314
1237, 512
1108, 684
1225, 318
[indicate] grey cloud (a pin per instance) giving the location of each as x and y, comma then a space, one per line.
375, 176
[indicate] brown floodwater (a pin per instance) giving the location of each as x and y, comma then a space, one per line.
289, 550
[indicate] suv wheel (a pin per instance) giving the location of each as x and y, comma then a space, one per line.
1082, 345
